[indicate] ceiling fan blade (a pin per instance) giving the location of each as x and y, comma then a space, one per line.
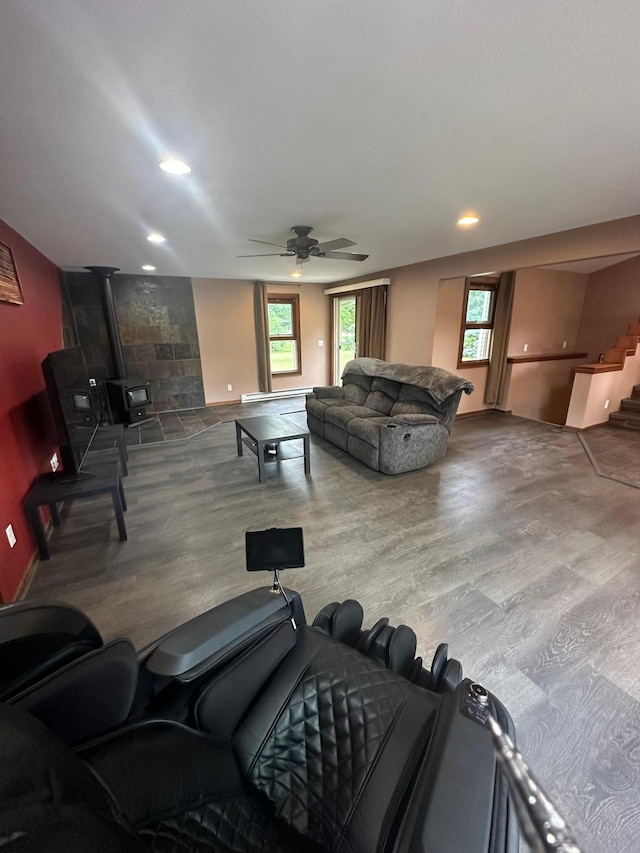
269, 255
340, 243
345, 256
302, 260
267, 243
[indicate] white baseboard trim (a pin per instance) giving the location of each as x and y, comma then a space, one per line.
258, 396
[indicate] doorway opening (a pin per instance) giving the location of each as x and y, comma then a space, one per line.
344, 333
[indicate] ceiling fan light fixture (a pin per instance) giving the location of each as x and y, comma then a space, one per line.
296, 274
154, 237
174, 166
148, 267
468, 220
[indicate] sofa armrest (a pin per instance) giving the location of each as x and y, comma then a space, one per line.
412, 420
328, 391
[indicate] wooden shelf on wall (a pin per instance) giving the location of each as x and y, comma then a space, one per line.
545, 356
598, 368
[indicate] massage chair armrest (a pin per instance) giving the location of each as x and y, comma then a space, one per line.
460, 799
213, 638
412, 420
329, 392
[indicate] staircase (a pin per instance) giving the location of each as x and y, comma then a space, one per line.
628, 414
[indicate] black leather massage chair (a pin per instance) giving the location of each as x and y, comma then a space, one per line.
243, 730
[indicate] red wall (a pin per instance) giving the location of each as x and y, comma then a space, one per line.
27, 437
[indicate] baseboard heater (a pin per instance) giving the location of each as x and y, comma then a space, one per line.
274, 395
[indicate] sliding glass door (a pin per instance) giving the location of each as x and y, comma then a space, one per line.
344, 333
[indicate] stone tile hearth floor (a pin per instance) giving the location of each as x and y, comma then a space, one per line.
187, 423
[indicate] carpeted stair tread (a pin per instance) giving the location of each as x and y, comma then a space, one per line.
630, 404
630, 420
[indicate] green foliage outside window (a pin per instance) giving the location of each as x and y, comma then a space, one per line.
479, 306
470, 345
280, 319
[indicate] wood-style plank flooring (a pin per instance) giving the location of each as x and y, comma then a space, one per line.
511, 549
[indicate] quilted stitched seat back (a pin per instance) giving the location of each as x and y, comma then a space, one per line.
314, 762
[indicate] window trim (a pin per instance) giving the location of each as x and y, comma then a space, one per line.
469, 285
292, 299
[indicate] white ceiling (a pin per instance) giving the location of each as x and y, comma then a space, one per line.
381, 121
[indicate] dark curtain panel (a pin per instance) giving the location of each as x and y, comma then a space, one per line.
497, 372
261, 317
371, 322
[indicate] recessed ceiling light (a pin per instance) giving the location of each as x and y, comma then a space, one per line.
296, 274
156, 238
174, 166
468, 220
148, 267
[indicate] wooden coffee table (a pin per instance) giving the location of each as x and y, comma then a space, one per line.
258, 433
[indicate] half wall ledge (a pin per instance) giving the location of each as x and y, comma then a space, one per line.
599, 388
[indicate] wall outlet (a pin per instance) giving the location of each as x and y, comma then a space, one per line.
606, 404
525, 347
11, 536
320, 343
229, 387
54, 462
564, 344
92, 382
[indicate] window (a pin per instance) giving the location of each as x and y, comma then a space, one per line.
284, 334
477, 320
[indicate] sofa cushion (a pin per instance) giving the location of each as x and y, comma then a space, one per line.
367, 429
318, 408
422, 396
356, 388
410, 407
383, 394
340, 417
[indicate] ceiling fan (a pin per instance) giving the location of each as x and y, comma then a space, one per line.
304, 247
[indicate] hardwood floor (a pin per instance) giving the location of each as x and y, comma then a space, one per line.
511, 549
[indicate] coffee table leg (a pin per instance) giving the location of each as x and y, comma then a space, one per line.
117, 508
261, 469
123, 499
307, 454
238, 439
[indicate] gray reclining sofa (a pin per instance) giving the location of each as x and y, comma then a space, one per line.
392, 417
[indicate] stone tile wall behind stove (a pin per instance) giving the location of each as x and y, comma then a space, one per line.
157, 322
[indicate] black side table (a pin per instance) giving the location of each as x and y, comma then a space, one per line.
50, 491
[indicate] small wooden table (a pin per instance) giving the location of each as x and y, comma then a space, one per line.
271, 430
98, 478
